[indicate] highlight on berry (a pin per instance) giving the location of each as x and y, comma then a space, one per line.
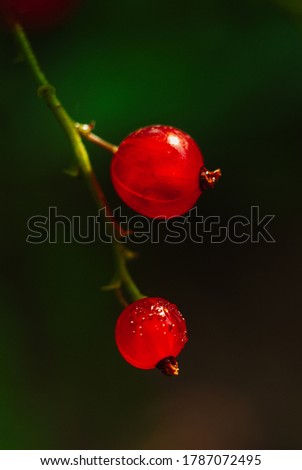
159, 171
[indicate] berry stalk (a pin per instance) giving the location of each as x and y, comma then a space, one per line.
74, 134
86, 131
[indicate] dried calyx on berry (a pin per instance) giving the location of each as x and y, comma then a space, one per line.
208, 179
169, 366
159, 171
150, 333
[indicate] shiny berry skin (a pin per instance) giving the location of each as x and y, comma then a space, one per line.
157, 171
36, 13
150, 333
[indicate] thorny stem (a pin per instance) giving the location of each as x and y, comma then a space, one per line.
48, 92
123, 274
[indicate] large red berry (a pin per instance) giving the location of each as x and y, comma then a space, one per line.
36, 13
150, 333
159, 171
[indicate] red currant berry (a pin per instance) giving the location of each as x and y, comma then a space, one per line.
36, 13
150, 333
159, 171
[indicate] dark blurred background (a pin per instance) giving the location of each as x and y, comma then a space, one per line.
229, 73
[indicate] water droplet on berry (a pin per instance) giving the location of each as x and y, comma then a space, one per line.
163, 336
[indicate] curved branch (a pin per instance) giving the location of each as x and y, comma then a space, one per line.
48, 92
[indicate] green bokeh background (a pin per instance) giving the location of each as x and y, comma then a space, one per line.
229, 73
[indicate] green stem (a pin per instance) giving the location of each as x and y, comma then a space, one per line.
47, 91
123, 273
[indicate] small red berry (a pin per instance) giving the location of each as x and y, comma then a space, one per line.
150, 333
159, 171
36, 13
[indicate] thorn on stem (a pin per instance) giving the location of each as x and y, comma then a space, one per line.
130, 255
45, 89
73, 171
114, 285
